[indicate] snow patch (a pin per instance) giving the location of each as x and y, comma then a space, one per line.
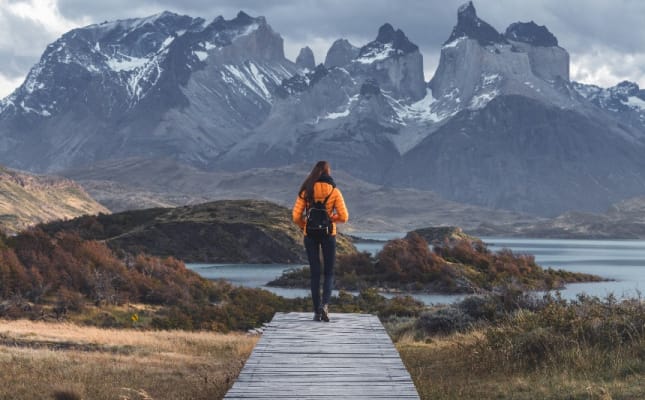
209, 45
167, 42
482, 99
126, 63
422, 109
258, 78
248, 30
337, 114
636, 102
376, 54
454, 43
43, 113
340, 114
488, 80
252, 78
97, 47
202, 55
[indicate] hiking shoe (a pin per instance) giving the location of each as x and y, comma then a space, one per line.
324, 313
317, 316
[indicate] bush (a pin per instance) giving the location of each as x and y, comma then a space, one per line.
558, 331
444, 320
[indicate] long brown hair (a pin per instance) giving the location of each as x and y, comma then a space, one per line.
307, 188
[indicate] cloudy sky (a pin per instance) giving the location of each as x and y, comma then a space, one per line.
606, 39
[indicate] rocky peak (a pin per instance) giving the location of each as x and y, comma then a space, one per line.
387, 34
340, 54
625, 89
255, 37
243, 18
394, 62
394, 41
471, 26
306, 58
300, 83
531, 33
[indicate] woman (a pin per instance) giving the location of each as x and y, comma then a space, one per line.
318, 187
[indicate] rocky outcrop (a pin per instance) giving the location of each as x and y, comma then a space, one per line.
441, 235
341, 53
530, 33
306, 59
394, 62
477, 64
548, 61
469, 25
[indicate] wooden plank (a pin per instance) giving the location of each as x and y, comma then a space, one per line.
351, 357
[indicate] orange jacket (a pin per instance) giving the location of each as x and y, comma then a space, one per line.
335, 206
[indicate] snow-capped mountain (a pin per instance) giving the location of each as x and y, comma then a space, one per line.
625, 101
158, 86
500, 124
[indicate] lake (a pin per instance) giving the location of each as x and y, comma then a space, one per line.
623, 261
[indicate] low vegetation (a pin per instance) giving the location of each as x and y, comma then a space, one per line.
458, 265
230, 231
63, 361
502, 342
61, 276
514, 346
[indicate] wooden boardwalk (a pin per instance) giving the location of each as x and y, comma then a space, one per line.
351, 357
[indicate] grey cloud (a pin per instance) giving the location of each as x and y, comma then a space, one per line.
23, 42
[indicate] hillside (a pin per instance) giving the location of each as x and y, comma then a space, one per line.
623, 220
27, 199
231, 231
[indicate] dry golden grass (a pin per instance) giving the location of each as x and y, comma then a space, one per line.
38, 359
444, 369
26, 200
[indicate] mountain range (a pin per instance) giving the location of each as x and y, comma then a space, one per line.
500, 125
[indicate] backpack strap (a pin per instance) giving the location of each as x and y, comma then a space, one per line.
329, 195
326, 198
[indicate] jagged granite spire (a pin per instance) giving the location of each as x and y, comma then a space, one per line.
395, 62
306, 58
387, 35
531, 33
471, 26
340, 54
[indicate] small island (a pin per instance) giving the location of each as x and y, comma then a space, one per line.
456, 263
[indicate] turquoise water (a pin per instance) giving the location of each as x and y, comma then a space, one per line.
623, 261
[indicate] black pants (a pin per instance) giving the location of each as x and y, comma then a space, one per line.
328, 246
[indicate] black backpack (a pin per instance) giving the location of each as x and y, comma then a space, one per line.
318, 221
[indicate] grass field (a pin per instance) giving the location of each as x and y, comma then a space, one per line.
63, 361
452, 367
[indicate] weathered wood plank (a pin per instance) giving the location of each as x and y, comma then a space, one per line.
351, 357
